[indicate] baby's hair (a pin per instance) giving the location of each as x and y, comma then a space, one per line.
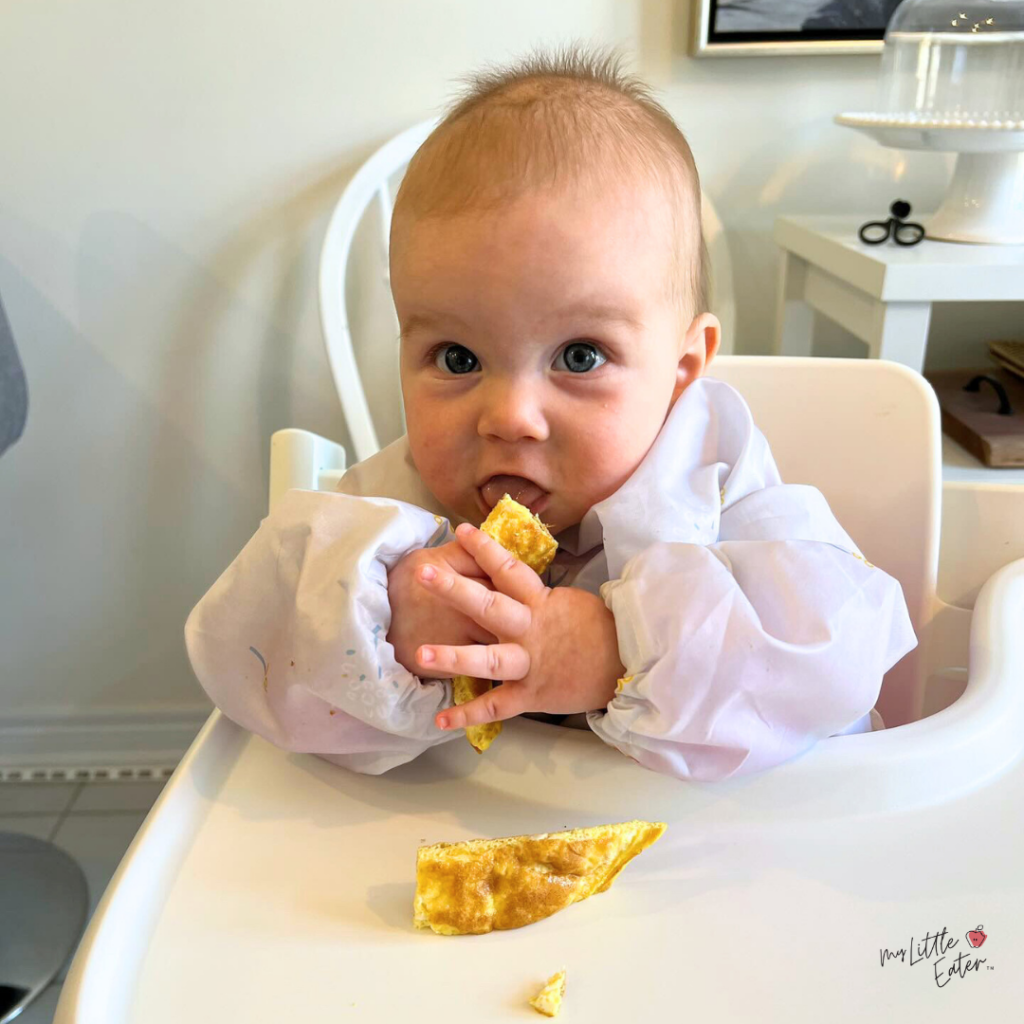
570, 114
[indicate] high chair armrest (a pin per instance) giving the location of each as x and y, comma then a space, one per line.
303, 460
933, 759
996, 661
982, 530
982, 731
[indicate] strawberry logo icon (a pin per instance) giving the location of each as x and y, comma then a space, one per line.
976, 937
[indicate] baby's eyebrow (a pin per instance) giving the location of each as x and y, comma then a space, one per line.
600, 313
590, 311
426, 321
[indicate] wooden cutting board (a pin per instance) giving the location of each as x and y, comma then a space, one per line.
1009, 355
972, 420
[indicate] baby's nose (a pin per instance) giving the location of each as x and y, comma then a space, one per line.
512, 411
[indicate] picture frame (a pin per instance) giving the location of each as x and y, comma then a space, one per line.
763, 28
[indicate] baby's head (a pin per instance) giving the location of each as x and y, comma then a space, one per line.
550, 279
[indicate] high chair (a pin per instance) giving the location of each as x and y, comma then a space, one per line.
268, 886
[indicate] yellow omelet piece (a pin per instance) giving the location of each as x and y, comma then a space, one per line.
493, 884
520, 532
549, 999
465, 688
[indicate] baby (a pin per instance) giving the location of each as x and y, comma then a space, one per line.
550, 280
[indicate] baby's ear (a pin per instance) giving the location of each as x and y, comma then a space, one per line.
700, 345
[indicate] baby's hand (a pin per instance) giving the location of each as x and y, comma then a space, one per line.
419, 616
557, 650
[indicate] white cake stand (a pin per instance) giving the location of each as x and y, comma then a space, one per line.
985, 199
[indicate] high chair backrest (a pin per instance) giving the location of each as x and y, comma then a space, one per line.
866, 433
376, 183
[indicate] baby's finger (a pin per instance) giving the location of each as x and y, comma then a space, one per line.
455, 555
510, 576
496, 612
496, 705
495, 661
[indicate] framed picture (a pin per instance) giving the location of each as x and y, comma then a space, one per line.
741, 28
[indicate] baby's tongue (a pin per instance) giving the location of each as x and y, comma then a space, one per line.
526, 492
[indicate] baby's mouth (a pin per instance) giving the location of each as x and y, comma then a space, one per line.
526, 492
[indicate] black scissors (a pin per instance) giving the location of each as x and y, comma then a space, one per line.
902, 232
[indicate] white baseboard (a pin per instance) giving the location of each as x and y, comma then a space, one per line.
75, 744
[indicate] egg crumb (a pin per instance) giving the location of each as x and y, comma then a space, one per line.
548, 1000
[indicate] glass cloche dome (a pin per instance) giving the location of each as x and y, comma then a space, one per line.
955, 60
952, 80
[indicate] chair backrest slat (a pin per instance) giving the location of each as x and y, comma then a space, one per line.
369, 182
384, 207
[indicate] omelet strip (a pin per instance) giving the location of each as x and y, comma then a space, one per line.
520, 532
493, 884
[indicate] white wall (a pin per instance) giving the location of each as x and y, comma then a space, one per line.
165, 179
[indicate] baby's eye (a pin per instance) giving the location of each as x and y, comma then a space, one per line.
581, 356
455, 359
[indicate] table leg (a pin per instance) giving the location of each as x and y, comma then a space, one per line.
794, 319
900, 333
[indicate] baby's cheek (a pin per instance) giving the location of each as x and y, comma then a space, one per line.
619, 442
443, 465
432, 449
612, 452
609, 467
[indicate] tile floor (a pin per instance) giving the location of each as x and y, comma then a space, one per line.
93, 821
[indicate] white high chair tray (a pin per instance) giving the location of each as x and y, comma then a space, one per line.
269, 887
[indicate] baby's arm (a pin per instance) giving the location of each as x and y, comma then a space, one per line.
743, 654
290, 642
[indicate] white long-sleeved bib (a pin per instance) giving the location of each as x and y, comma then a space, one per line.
749, 623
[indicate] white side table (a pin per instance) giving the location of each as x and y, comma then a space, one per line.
882, 294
